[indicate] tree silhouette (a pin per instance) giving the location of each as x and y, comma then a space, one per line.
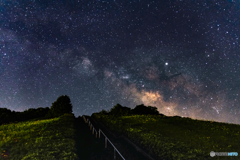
104, 112
141, 109
119, 110
61, 106
7, 116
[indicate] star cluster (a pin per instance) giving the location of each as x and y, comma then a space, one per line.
180, 56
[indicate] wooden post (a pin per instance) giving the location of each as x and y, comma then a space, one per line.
93, 131
99, 133
105, 142
96, 134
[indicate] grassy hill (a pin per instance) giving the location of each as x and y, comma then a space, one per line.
175, 137
67, 137
39, 139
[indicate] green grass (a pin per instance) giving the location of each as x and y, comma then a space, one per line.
175, 137
40, 139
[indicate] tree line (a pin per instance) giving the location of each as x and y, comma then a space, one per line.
119, 110
63, 105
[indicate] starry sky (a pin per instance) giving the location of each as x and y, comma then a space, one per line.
181, 56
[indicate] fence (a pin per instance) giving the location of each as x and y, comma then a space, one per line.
99, 133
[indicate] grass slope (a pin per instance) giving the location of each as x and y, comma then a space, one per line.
39, 139
175, 137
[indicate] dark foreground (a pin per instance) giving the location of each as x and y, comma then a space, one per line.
91, 148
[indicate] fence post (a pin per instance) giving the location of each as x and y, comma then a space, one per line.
105, 142
99, 133
93, 131
96, 134
114, 153
84, 119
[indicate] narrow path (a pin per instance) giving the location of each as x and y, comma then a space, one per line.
88, 146
128, 151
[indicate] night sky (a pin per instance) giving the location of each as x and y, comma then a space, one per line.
182, 56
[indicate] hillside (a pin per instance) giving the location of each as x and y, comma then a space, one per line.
135, 136
64, 137
39, 139
175, 137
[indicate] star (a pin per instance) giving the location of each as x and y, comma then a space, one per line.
184, 62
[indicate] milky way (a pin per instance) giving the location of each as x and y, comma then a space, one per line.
181, 56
